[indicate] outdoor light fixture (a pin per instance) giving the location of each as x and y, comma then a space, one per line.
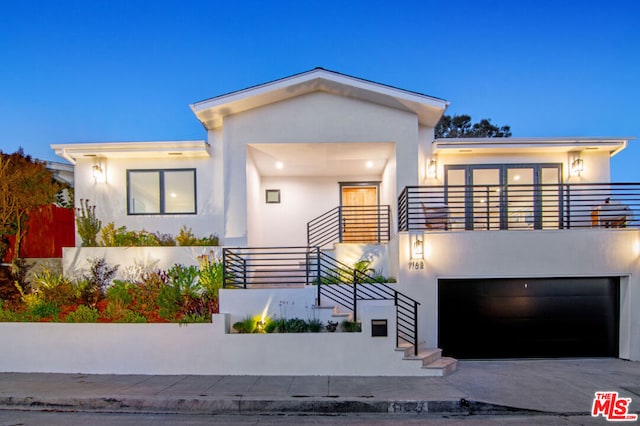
432, 169
577, 165
98, 172
416, 246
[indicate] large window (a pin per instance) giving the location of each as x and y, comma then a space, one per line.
161, 191
505, 196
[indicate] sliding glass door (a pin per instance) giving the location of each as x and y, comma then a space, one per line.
504, 196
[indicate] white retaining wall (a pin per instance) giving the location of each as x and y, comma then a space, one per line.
201, 349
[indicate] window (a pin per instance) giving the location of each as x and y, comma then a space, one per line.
161, 191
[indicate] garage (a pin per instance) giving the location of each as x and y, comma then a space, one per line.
528, 317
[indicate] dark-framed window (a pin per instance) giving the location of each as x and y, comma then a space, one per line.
161, 191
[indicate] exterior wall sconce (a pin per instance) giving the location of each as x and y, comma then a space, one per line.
416, 246
432, 169
98, 172
577, 166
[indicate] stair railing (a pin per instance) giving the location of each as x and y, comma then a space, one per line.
337, 282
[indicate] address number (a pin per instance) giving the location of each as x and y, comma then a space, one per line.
416, 265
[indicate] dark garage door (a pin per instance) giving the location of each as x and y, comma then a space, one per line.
518, 318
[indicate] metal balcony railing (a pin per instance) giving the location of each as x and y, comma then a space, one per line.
519, 207
350, 224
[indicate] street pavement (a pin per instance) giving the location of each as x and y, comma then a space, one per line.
492, 388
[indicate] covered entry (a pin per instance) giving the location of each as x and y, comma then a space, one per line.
518, 318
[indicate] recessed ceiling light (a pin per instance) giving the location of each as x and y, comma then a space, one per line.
279, 165
369, 164
516, 177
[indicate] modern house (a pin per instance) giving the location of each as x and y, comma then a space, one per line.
516, 247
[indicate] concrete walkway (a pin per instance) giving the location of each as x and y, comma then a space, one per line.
528, 386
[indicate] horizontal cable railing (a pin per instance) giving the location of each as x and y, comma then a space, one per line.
519, 207
350, 224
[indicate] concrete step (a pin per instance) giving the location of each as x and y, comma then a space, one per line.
426, 356
445, 365
430, 358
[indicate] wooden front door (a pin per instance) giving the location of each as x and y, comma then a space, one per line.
360, 214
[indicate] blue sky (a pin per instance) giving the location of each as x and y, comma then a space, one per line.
122, 70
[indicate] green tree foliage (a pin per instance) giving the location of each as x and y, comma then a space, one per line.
460, 126
25, 184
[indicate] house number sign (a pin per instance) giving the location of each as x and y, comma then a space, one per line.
416, 264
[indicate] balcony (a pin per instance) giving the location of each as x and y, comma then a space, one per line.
519, 207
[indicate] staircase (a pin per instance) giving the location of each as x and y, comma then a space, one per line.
429, 359
340, 289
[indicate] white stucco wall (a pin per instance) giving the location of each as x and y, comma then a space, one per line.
313, 118
503, 254
110, 197
76, 261
202, 349
596, 163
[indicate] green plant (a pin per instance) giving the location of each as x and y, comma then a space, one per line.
351, 326
210, 274
187, 238
9, 315
295, 325
247, 325
194, 318
164, 239
83, 314
315, 325
92, 287
185, 278
87, 224
56, 288
121, 237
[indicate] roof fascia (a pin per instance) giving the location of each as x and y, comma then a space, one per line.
72, 152
613, 144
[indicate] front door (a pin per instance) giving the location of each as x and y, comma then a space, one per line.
360, 217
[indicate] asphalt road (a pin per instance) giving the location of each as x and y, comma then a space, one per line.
41, 418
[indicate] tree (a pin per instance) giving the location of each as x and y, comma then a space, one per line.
460, 126
25, 184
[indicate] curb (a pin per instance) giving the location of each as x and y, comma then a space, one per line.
240, 406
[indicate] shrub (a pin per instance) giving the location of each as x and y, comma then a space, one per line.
210, 274
92, 287
247, 325
56, 288
120, 237
87, 224
164, 239
315, 325
186, 238
83, 314
9, 315
351, 326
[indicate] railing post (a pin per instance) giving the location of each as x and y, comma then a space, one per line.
318, 280
568, 198
244, 272
395, 303
340, 224
224, 267
415, 328
355, 301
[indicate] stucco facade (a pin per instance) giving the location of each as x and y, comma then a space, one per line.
309, 134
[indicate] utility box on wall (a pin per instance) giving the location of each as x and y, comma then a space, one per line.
379, 328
